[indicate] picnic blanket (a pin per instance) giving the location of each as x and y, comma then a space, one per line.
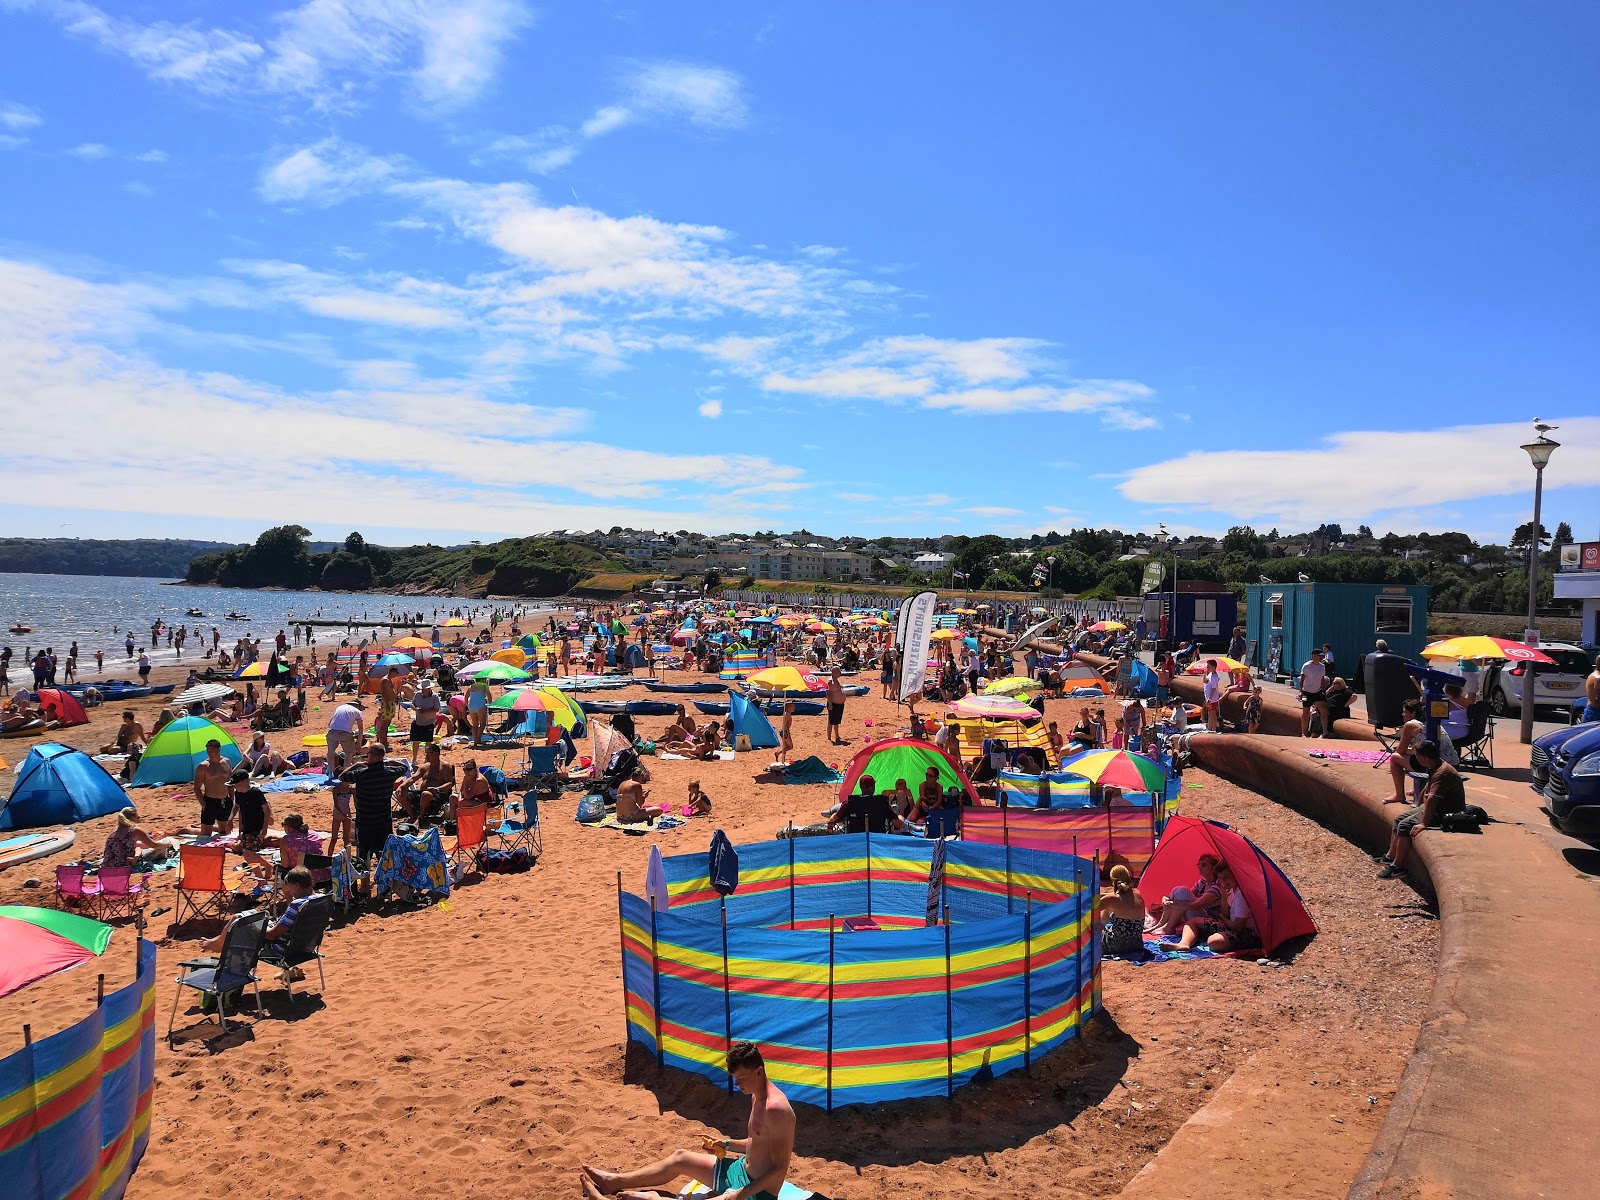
1352, 756
296, 783
418, 863
808, 770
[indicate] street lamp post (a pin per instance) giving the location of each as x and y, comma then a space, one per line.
1539, 451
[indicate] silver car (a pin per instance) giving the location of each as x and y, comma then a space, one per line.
1560, 685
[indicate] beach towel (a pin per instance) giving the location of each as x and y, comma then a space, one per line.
1153, 953
655, 881
808, 770
296, 783
665, 821
416, 863
1351, 756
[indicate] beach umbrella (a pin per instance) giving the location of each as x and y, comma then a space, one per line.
454, 623
786, 622
1013, 685
944, 635
522, 700
819, 627
1036, 611
993, 708
761, 620
513, 655
779, 679
255, 670
565, 710
394, 659
36, 943
1107, 627
1224, 664
1486, 647
493, 672
966, 612
201, 693
1118, 768
412, 643
528, 641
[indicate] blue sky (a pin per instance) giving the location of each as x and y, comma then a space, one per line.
454, 270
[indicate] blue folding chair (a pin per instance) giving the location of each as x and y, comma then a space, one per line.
232, 970
943, 823
519, 826
544, 765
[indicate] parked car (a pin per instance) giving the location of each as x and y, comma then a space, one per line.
1560, 685
1572, 793
1544, 749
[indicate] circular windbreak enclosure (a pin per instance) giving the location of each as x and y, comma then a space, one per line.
867, 968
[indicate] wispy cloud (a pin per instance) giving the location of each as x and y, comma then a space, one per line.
1363, 476
991, 510
324, 173
705, 98
711, 409
90, 151
327, 52
150, 156
17, 119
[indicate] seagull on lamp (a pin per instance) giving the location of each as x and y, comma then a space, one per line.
1541, 428
1304, 578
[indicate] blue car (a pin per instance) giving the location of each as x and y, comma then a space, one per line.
1572, 790
1544, 750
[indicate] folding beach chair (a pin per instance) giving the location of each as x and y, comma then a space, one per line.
120, 895
1476, 747
471, 835
201, 890
544, 765
303, 944
519, 826
231, 971
76, 894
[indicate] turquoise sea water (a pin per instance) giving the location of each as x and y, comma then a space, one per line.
93, 609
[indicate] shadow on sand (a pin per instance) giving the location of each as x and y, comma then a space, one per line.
982, 1118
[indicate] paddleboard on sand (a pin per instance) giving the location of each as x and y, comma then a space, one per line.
30, 846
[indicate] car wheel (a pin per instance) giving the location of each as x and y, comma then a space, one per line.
1498, 703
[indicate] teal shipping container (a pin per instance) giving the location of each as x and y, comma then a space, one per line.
1284, 622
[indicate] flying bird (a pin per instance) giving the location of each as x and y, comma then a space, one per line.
1304, 578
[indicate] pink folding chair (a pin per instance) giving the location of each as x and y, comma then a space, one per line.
120, 895
74, 893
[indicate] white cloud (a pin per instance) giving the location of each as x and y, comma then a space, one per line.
870, 383
1361, 476
403, 301
18, 118
608, 119
326, 172
89, 151
329, 52
429, 453
990, 510
151, 156
857, 497
711, 409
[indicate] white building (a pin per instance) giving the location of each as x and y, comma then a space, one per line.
933, 562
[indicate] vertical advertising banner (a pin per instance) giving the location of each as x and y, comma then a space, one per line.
916, 636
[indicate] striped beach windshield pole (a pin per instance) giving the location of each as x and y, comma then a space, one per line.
791, 872
622, 938
655, 997
1005, 833
1027, 987
1077, 956
949, 1018
727, 1000
869, 872
829, 1062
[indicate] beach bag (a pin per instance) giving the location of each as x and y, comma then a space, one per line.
724, 865
592, 808
1470, 819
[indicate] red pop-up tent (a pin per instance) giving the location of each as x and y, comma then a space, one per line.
1277, 908
68, 710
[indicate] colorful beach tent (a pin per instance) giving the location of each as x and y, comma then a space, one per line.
908, 759
1144, 681
178, 749
749, 721
68, 710
36, 943
60, 785
1277, 908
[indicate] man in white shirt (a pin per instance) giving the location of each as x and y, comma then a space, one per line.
347, 731
1313, 683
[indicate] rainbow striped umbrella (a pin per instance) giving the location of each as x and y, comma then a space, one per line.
994, 708
493, 672
1118, 768
36, 943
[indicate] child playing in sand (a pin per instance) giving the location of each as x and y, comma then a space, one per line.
699, 804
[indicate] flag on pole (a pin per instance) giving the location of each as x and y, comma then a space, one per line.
916, 625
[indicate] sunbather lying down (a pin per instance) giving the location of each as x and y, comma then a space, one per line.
762, 1158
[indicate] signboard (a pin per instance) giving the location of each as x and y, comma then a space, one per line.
1571, 556
1154, 572
1589, 556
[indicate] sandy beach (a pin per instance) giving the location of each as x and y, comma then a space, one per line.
476, 1046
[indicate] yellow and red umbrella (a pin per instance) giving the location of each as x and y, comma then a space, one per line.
1224, 664
412, 643
779, 679
1486, 647
1013, 685
1107, 627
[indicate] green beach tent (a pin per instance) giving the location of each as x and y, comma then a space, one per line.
178, 749
908, 759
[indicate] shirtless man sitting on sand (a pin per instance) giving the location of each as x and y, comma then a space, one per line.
764, 1156
631, 796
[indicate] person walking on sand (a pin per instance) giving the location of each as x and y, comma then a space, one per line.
835, 708
785, 734
763, 1158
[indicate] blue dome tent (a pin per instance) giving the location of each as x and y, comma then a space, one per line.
58, 785
751, 722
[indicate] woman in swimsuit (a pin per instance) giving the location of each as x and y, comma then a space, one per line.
1123, 906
